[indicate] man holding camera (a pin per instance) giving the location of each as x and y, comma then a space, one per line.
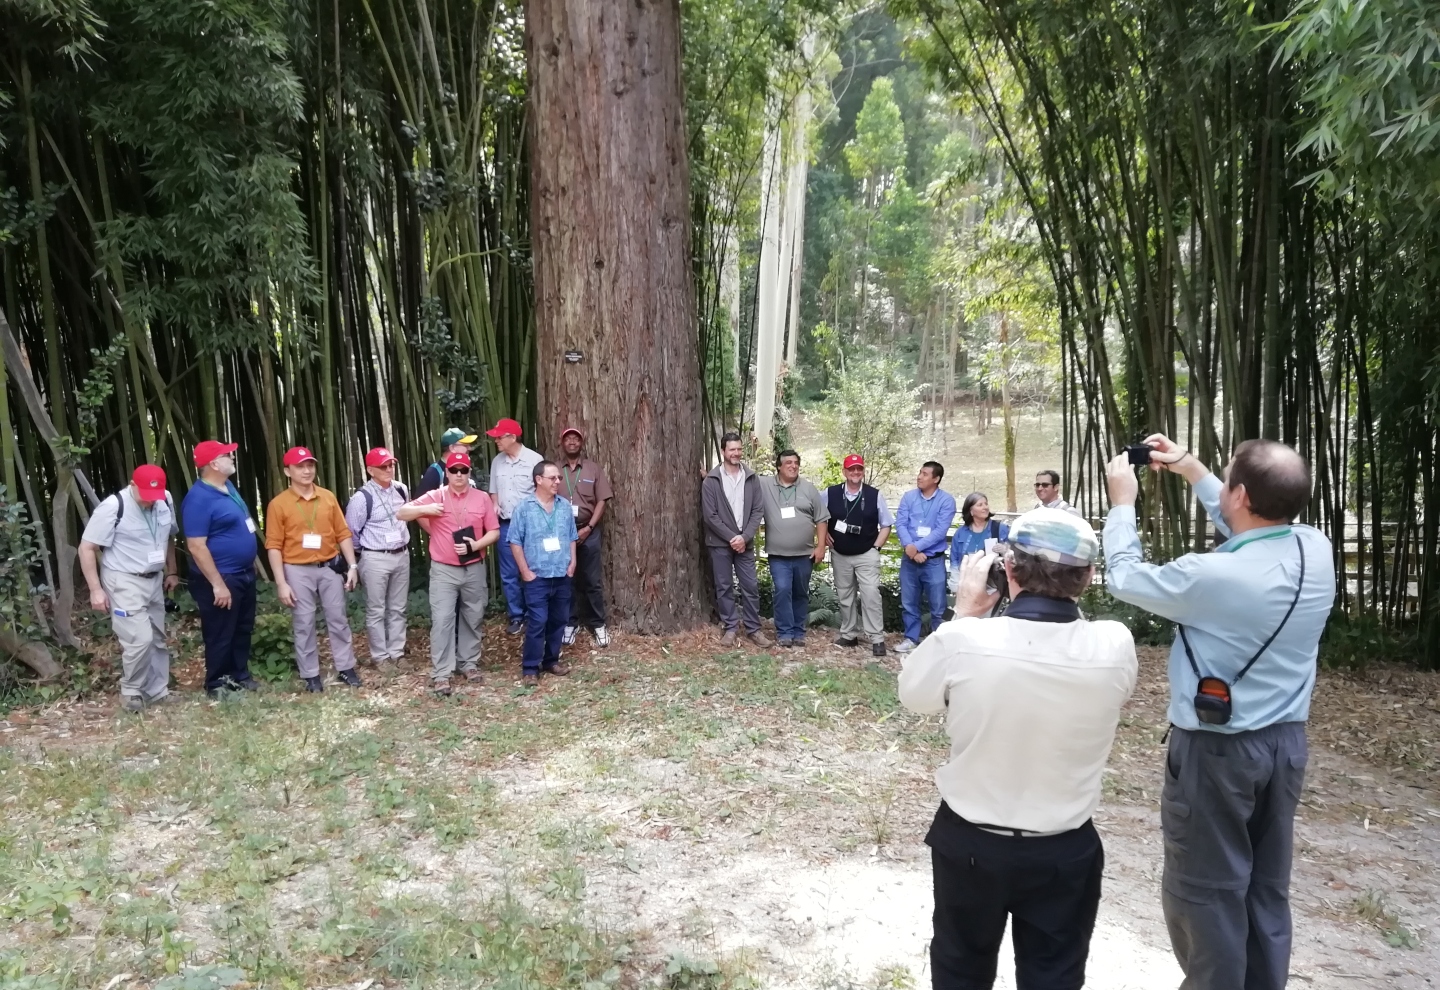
1031, 701
1242, 667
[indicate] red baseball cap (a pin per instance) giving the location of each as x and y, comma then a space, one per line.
207, 450
571, 429
379, 457
854, 460
456, 458
503, 427
298, 455
150, 482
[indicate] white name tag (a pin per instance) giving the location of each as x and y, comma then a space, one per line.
551, 543
310, 541
575, 510
250, 525
841, 527
922, 530
991, 545
788, 512
157, 556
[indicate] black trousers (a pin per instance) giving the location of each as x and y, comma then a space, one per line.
587, 591
1048, 886
226, 631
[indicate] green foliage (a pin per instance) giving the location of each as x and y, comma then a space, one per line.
871, 410
1352, 642
1147, 628
19, 559
272, 648
877, 153
1372, 77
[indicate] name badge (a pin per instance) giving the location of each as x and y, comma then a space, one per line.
310, 541
575, 510
841, 527
551, 543
991, 545
788, 512
250, 525
157, 556
922, 530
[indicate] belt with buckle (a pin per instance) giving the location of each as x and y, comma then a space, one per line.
382, 550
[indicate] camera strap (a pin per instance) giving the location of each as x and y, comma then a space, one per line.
1190, 652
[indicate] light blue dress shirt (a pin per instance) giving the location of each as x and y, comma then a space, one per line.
1230, 601
917, 512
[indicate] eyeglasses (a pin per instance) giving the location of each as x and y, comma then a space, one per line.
549, 477
459, 470
1044, 484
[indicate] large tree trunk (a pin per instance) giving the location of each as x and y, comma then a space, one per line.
616, 338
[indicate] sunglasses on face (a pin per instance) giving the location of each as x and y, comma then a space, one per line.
1044, 484
459, 470
549, 477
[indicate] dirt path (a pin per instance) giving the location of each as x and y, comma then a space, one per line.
762, 813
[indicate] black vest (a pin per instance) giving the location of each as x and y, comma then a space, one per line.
861, 519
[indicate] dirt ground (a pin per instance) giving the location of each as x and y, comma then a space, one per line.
761, 813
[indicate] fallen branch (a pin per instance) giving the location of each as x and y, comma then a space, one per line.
34, 655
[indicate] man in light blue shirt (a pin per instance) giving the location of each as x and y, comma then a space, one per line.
542, 539
1237, 755
923, 524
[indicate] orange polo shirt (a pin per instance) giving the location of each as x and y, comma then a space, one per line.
289, 518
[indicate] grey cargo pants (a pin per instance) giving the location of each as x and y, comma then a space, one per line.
1227, 811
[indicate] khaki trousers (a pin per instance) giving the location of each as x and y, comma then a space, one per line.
458, 596
316, 588
386, 577
137, 614
857, 582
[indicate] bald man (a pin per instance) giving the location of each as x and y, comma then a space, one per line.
1248, 621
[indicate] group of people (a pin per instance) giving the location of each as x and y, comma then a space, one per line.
852, 521
1031, 700
548, 543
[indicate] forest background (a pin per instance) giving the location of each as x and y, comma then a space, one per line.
290, 221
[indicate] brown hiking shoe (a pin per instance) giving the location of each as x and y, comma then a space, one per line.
728, 639
557, 668
473, 676
758, 638
530, 680
442, 688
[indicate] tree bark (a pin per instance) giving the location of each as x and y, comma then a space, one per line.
610, 216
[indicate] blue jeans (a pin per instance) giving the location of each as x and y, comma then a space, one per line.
510, 584
921, 582
547, 609
226, 631
791, 577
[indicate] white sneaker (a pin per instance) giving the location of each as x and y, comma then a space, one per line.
905, 646
569, 638
602, 636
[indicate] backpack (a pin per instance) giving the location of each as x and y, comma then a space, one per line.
370, 499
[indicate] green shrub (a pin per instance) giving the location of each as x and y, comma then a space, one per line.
272, 648
1147, 628
1352, 641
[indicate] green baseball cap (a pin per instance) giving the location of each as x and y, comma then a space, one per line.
1057, 536
456, 435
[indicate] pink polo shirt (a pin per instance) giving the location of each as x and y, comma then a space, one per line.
473, 508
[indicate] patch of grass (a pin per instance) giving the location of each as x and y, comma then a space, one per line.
1372, 908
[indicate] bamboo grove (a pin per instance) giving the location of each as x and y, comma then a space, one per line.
278, 221
1207, 286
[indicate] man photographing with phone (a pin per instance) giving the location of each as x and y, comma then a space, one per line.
1242, 667
1031, 701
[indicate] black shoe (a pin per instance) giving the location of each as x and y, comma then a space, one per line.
248, 684
314, 685
846, 641
220, 693
515, 626
877, 649
349, 677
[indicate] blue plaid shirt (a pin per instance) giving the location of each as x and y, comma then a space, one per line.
531, 526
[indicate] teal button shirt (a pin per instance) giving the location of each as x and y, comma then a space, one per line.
1230, 601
